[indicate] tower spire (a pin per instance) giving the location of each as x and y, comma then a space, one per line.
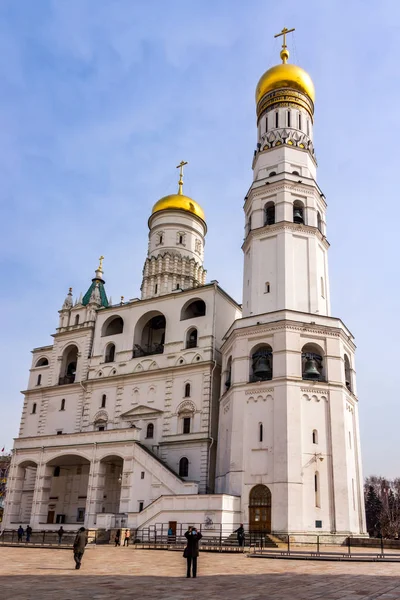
284, 51
180, 182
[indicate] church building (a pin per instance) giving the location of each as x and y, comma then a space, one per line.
183, 406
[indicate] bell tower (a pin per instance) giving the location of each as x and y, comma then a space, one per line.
288, 441
285, 246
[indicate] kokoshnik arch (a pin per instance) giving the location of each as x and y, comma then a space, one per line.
183, 404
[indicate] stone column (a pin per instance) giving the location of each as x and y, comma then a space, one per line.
41, 495
126, 501
94, 502
15, 484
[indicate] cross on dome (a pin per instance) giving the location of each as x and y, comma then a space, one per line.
284, 51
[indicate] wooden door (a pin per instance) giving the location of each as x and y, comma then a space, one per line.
50, 516
172, 525
260, 509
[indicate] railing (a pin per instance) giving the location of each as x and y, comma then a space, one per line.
147, 350
66, 380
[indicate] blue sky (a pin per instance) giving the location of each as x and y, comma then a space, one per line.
99, 100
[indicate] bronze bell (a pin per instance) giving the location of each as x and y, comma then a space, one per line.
311, 370
298, 216
262, 369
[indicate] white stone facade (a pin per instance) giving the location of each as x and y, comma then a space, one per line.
177, 406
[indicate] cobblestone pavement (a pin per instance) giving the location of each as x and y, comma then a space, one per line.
120, 573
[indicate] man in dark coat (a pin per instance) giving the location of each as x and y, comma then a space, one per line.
20, 533
192, 550
240, 535
79, 546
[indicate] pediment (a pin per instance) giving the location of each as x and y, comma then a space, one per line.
140, 411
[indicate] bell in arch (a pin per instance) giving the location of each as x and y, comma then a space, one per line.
262, 368
311, 369
298, 215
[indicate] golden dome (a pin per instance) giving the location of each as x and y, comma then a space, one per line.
285, 75
179, 202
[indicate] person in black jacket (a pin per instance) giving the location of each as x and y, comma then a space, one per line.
80, 542
192, 550
240, 535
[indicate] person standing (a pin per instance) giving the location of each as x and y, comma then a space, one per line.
127, 537
28, 533
191, 551
118, 538
79, 546
240, 535
60, 533
20, 533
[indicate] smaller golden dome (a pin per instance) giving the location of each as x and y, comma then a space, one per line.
285, 75
179, 202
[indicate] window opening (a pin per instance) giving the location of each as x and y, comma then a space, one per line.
315, 437
186, 424
110, 353
156, 288
266, 124
276, 119
34, 408
142, 475
298, 213
184, 467
39, 380
316, 489
62, 404
267, 288
261, 364
187, 390
269, 217
103, 401
59, 431
140, 506
300, 121
288, 118
192, 339
260, 432
150, 431
56, 472
77, 320
181, 239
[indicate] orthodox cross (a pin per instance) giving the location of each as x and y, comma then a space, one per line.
100, 268
180, 182
284, 32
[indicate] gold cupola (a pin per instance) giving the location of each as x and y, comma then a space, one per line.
285, 83
179, 201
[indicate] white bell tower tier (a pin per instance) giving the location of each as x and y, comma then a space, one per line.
176, 245
288, 433
285, 246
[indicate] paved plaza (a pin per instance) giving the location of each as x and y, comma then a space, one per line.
120, 573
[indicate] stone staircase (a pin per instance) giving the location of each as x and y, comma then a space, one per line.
254, 538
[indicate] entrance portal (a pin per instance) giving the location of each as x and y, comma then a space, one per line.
260, 509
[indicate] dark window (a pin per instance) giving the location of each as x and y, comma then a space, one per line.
140, 506
261, 364
298, 213
77, 320
266, 124
160, 239
187, 390
315, 437
269, 217
42, 362
62, 404
191, 341
277, 119
59, 432
261, 432
186, 425
299, 120
150, 431
288, 118
114, 326
103, 400
142, 475
272, 174
267, 287
316, 482
56, 472
110, 353
318, 524
156, 288
39, 380
34, 408
80, 517
183, 467
181, 239
347, 372
195, 309
101, 428
319, 222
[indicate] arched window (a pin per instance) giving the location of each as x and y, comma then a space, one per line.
103, 401
298, 212
299, 121
266, 124
76, 320
319, 222
187, 390
315, 437
42, 362
228, 379
34, 408
267, 287
62, 407
39, 380
261, 364
183, 467
113, 326
313, 367
260, 432
191, 338
272, 174
288, 118
269, 213
186, 424
150, 431
195, 308
347, 372
316, 490
68, 365
110, 353
277, 119
296, 173
149, 335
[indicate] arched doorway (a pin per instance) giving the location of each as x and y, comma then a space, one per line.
260, 509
